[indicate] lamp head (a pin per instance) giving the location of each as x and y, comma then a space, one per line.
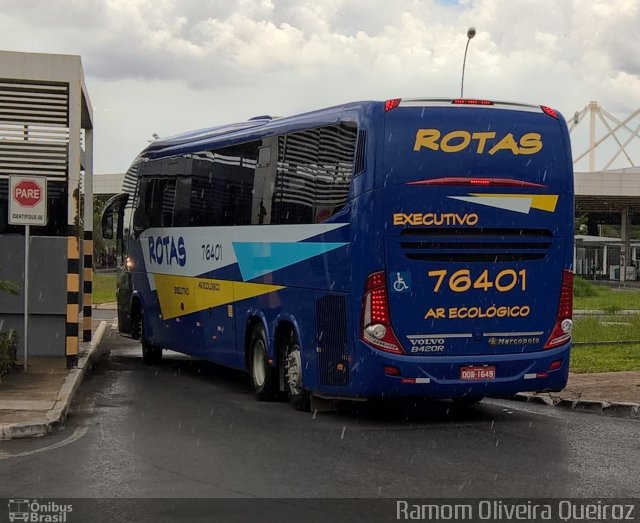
471, 32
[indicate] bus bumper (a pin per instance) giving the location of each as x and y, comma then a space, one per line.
379, 374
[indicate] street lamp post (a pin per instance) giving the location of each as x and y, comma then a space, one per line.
471, 32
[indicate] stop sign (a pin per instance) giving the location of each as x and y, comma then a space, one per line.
28, 200
27, 193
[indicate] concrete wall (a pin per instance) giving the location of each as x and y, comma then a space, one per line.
47, 292
57, 263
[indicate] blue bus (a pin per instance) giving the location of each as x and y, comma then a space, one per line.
402, 248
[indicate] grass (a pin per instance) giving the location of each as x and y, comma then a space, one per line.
598, 297
598, 356
609, 327
604, 358
104, 288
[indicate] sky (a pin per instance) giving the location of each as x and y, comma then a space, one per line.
168, 66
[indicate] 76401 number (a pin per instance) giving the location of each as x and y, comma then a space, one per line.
462, 280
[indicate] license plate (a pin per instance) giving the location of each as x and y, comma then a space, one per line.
478, 373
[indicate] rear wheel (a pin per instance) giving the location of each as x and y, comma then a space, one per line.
264, 378
299, 398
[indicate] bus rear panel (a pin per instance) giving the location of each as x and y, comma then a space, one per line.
474, 294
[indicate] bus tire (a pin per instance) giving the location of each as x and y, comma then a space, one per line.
264, 378
151, 354
299, 398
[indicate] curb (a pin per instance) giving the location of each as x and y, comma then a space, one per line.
617, 409
108, 306
57, 415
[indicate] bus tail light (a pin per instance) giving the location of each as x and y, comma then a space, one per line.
465, 180
376, 320
391, 104
555, 365
563, 327
470, 101
549, 111
391, 371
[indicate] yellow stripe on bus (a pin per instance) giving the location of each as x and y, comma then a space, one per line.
181, 295
542, 202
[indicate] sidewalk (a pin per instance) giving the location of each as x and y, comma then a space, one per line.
36, 403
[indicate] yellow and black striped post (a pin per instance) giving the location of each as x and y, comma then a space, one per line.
87, 285
73, 295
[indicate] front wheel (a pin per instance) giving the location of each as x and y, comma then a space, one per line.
299, 398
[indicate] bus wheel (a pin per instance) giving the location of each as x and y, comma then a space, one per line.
299, 398
151, 355
264, 378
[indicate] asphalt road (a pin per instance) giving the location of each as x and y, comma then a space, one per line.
191, 429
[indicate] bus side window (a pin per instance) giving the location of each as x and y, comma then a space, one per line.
160, 199
336, 157
314, 173
202, 189
181, 202
140, 216
156, 204
222, 186
167, 196
295, 180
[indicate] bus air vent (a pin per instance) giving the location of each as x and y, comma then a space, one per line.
331, 325
475, 245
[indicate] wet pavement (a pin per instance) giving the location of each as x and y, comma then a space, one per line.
35, 403
187, 428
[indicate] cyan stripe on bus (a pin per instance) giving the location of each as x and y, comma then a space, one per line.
259, 258
200, 250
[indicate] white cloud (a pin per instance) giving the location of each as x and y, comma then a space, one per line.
165, 65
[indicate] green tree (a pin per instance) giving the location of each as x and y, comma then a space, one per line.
9, 287
8, 340
99, 243
580, 224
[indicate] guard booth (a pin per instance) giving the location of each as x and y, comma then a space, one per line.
46, 131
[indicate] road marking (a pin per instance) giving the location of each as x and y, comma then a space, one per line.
78, 433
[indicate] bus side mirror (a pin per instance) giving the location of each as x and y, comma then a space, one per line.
107, 224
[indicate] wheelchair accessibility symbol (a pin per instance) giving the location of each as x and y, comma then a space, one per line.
402, 282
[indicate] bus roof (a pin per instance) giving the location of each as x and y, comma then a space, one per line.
253, 129
264, 126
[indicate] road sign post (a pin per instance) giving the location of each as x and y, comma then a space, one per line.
27, 206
